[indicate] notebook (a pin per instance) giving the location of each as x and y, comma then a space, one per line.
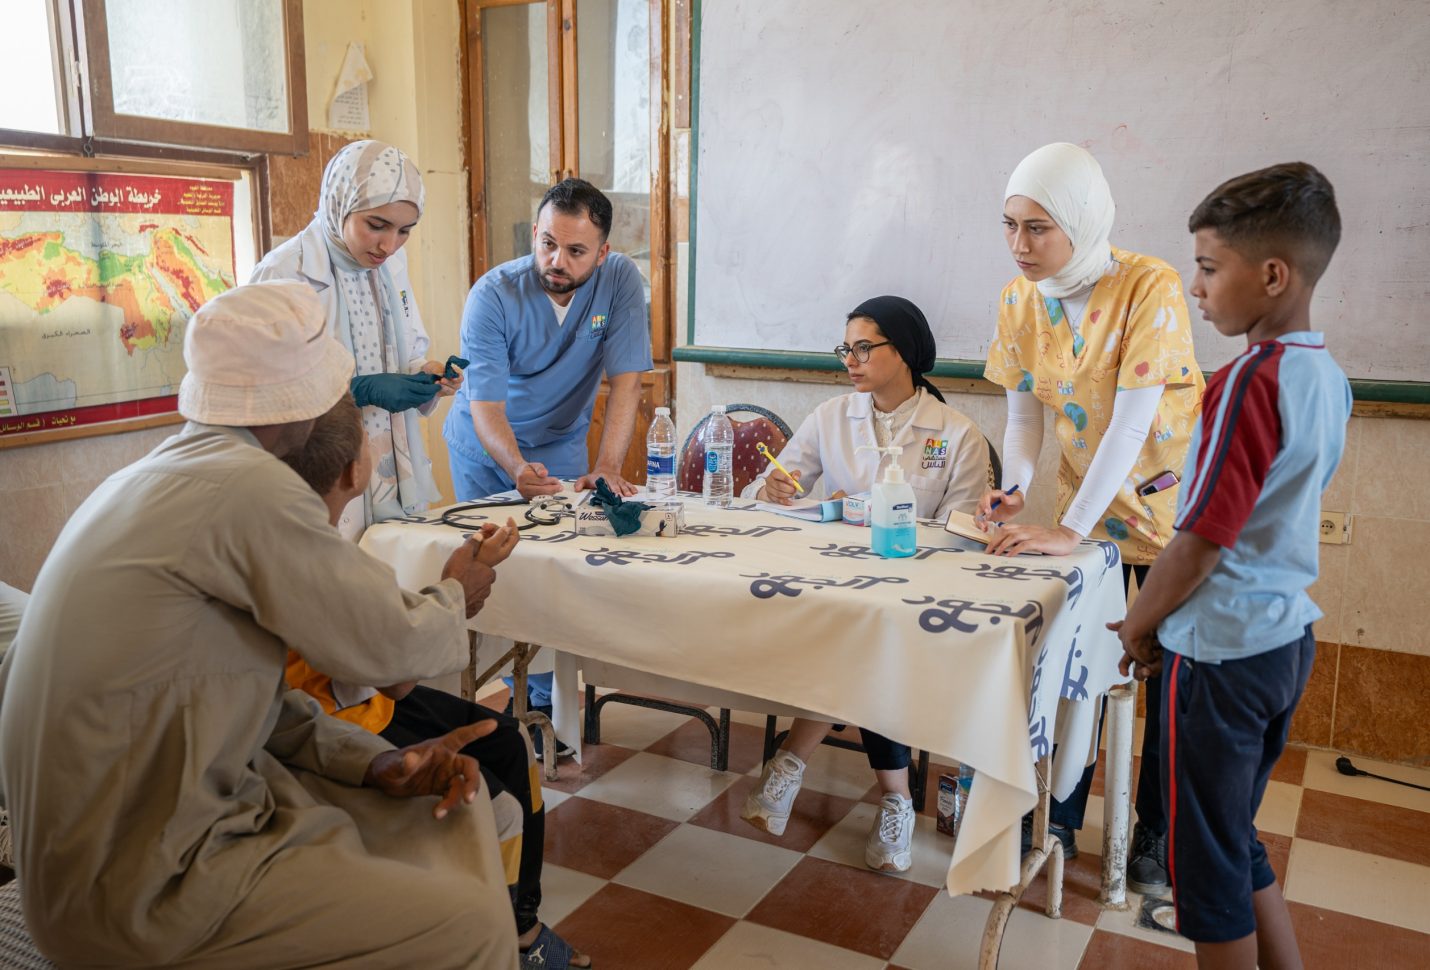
963, 524
809, 509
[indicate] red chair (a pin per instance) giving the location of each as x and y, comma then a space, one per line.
747, 464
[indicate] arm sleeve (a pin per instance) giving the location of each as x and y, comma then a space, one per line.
271, 553
1240, 437
484, 343
1022, 439
305, 737
1157, 344
970, 474
1132, 415
628, 333
800, 453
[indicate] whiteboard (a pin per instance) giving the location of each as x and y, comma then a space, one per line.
847, 148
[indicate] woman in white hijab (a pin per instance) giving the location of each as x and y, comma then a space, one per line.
351, 254
1100, 337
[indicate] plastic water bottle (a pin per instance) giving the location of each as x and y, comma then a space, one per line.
719, 485
660, 456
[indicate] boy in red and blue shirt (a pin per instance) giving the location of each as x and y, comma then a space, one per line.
1227, 599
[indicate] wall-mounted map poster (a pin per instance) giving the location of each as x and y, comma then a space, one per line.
99, 273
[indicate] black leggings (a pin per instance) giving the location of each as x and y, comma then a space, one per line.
425, 714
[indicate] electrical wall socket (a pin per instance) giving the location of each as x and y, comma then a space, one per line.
1335, 528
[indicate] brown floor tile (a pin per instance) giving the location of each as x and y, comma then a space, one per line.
596, 760
1354, 823
1113, 951
691, 742
1278, 853
1329, 939
1292, 766
600, 839
633, 930
814, 814
1082, 881
847, 907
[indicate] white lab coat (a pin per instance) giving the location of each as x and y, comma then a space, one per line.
945, 456
305, 258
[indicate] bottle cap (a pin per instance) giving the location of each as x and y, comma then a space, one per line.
662, 412
717, 409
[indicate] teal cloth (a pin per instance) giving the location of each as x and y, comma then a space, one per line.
453, 363
625, 517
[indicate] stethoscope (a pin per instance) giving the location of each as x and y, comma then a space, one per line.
544, 510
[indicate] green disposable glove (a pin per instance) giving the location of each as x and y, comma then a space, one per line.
393, 392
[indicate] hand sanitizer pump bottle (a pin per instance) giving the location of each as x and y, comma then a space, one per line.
893, 510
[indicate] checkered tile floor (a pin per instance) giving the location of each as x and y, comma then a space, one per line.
648, 865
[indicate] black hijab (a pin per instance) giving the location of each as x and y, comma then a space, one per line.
905, 327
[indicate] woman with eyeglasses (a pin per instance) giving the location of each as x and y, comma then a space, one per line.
1100, 337
887, 350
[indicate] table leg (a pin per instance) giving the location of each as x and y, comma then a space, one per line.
1117, 799
1047, 850
521, 657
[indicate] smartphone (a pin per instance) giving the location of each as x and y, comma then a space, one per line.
1161, 483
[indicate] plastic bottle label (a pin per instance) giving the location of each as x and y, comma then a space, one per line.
902, 514
656, 465
714, 462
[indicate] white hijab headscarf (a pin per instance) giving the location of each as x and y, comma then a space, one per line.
362, 176
1067, 181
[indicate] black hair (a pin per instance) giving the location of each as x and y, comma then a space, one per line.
334, 444
577, 197
1287, 210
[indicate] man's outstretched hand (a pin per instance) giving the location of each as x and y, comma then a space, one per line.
435, 767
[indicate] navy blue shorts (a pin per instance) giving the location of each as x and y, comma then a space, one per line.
1223, 728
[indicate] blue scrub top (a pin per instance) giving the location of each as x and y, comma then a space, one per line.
547, 374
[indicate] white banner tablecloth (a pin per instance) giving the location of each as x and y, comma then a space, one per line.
985, 660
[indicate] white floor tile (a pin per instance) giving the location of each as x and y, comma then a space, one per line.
1370, 886
709, 869
552, 797
948, 935
752, 945
932, 852
635, 727
563, 891
1321, 774
658, 785
1279, 807
1124, 922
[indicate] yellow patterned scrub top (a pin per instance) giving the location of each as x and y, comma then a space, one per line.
1135, 332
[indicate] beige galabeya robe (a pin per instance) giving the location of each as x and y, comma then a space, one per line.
171, 802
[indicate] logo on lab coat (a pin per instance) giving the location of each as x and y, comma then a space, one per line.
598, 326
935, 453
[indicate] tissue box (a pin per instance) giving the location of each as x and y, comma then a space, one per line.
856, 509
662, 519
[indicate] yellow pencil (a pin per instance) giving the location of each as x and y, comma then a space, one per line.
763, 449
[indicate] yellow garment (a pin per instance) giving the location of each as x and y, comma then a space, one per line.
373, 714
1135, 332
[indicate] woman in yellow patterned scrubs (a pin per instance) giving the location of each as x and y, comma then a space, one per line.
1101, 337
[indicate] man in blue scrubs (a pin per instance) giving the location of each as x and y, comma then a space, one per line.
540, 331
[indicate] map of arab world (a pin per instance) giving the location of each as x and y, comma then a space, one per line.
98, 275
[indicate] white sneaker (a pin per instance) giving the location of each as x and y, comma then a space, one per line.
889, 846
767, 807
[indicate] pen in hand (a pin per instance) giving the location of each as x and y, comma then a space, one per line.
998, 501
764, 450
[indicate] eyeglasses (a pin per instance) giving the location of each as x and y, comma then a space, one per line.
860, 350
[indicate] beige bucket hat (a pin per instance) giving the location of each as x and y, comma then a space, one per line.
262, 354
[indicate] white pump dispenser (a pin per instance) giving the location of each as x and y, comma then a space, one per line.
892, 509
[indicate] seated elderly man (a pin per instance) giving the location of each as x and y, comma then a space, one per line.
172, 803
